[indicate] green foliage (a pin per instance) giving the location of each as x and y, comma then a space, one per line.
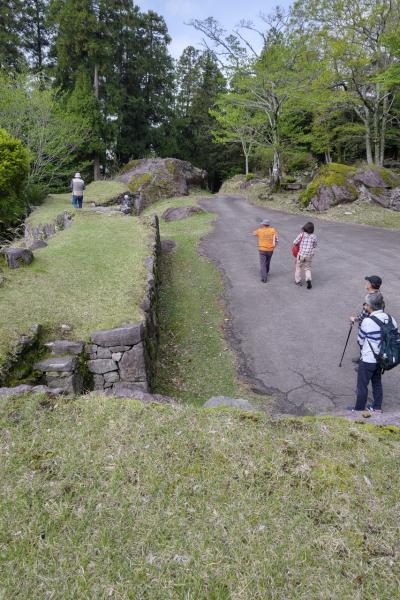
297, 160
14, 169
51, 132
34, 193
249, 176
331, 174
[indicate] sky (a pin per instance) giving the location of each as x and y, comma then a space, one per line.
228, 12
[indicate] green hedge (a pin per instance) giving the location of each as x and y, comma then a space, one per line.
14, 170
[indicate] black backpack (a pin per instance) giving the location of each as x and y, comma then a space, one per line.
388, 356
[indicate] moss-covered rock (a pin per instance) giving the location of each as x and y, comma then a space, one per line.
331, 186
153, 179
336, 184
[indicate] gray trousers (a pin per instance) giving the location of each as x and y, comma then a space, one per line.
265, 261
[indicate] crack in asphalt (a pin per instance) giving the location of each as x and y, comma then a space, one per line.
239, 270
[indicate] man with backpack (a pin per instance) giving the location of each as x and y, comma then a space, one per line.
379, 340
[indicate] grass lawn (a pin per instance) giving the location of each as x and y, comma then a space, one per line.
97, 191
195, 361
91, 276
106, 498
362, 213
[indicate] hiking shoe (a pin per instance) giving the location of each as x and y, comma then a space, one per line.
299, 283
263, 281
374, 410
309, 285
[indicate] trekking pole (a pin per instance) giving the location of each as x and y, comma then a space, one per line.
347, 341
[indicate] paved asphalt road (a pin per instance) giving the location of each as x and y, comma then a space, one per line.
290, 339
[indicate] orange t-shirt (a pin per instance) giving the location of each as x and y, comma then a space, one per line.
267, 237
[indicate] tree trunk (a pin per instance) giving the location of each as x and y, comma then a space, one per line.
247, 162
96, 165
368, 146
96, 81
276, 171
328, 158
376, 136
383, 130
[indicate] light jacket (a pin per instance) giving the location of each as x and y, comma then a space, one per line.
77, 186
370, 335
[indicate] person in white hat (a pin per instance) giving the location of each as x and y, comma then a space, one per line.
77, 186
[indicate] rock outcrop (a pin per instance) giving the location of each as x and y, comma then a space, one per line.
181, 212
337, 184
17, 257
150, 180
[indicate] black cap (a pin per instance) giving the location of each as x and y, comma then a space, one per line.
375, 281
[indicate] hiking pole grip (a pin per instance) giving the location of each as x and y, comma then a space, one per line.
347, 341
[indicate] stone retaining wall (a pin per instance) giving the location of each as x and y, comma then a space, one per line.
127, 355
122, 357
47, 230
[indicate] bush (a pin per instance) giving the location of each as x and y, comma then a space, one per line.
34, 194
297, 160
249, 176
14, 170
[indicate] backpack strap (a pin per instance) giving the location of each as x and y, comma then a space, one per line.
380, 323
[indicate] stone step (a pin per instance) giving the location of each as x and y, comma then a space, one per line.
66, 364
61, 347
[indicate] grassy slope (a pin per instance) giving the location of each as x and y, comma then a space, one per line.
362, 213
195, 360
105, 498
90, 276
98, 191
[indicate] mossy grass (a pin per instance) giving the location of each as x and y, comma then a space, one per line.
98, 191
330, 174
196, 362
108, 498
90, 276
389, 177
138, 181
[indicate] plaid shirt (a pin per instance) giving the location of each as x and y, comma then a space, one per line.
307, 245
362, 315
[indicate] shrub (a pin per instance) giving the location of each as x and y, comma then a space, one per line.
14, 170
297, 160
250, 176
34, 193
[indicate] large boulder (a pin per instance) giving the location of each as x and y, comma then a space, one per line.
337, 184
182, 212
17, 257
151, 179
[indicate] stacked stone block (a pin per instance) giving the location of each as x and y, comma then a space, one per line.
117, 355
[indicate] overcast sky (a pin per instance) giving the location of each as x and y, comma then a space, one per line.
228, 12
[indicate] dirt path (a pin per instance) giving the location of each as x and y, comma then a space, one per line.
290, 339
